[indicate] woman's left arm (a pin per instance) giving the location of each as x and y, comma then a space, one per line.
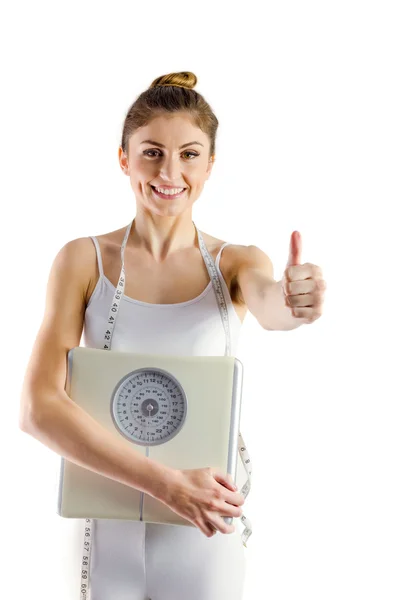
282, 305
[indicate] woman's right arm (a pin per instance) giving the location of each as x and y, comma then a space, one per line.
48, 413
52, 417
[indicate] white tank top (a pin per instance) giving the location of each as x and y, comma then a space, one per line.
191, 328
186, 328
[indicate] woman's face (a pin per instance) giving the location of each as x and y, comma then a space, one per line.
164, 154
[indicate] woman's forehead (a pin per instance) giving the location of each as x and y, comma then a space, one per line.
170, 130
168, 123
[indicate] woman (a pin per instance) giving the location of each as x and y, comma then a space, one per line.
167, 151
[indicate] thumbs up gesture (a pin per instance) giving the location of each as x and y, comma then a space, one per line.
302, 285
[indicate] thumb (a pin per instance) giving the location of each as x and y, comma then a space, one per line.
295, 249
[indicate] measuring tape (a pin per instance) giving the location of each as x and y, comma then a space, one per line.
112, 316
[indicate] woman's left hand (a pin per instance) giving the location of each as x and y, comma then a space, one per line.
303, 285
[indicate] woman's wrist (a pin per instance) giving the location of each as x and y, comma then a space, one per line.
162, 481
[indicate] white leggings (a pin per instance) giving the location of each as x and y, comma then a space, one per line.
132, 560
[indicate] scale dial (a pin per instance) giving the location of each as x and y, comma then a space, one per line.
149, 406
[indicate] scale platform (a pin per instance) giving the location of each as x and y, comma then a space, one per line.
182, 411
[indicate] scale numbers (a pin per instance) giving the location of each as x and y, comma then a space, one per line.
149, 406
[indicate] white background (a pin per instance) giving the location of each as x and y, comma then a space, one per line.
307, 95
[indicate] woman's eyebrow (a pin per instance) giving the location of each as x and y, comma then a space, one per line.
162, 145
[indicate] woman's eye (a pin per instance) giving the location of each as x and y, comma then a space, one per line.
152, 152
149, 152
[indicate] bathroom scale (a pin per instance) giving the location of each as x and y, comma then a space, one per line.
182, 411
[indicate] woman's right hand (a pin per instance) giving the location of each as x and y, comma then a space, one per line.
203, 497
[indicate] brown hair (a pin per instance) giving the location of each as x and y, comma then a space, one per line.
168, 94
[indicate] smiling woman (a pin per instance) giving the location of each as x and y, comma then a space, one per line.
177, 299
167, 172
155, 152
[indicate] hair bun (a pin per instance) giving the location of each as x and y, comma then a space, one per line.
185, 79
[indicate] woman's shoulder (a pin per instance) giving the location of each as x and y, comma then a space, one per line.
215, 244
239, 256
80, 255
111, 238
232, 255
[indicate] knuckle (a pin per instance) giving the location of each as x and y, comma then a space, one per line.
218, 493
212, 504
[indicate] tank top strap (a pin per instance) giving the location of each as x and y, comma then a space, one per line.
219, 254
99, 261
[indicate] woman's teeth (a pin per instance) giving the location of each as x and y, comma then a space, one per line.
169, 192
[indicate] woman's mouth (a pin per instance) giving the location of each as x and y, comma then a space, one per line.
166, 194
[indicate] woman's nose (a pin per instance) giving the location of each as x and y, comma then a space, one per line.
171, 169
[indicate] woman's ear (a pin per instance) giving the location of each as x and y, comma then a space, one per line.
210, 165
123, 161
